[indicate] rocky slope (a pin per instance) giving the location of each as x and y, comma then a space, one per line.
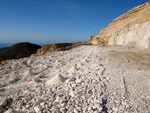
131, 28
86, 79
56, 47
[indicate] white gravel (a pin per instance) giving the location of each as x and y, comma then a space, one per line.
86, 79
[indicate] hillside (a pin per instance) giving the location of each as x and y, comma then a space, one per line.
131, 28
3, 48
19, 50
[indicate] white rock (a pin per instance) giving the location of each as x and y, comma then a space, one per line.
21, 102
37, 109
107, 78
27, 106
3, 101
115, 109
58, 79
99, 101
55, 111
78, 81
36, 79
95, 112
72, 70
42, 104
45, 111
72, 93
29, 62
63, 104
73, 84
40, 76
79, 65
76, 111
57, 99
67, 80
90, 100
46, 66
98, 107
28, 73
9, 111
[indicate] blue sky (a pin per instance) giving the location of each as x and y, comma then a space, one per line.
48, 21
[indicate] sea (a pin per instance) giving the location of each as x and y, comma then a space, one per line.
5, 45
10, 44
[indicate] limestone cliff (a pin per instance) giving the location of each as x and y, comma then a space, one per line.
131, 28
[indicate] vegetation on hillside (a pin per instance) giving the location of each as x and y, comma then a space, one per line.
3, 48
19, 50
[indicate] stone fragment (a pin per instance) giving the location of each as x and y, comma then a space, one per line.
36, 79
115, 109
3, 101
67, 80
107, 78
73, 84
72, 70
13, 80
72, 93
20, 103
79, 65
78, 81
37, 109
64, 104
27, 106
42, 104
45, 111
76, 111
9, 111
99, 101
28, 73
96, 112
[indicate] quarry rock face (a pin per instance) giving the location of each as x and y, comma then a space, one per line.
56, 47
131, 28
52, 47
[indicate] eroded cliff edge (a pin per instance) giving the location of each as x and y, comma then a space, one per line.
131, 28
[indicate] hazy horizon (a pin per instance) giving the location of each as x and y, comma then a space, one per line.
60, 21
52, 42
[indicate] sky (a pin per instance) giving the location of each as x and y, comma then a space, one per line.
56, 21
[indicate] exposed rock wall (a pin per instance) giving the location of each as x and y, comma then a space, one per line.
52, 47
56, 47
131, 28
136, 35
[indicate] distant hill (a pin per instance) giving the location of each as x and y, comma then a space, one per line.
3, 48
19, 50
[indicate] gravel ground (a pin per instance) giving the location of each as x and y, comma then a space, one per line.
86, 79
